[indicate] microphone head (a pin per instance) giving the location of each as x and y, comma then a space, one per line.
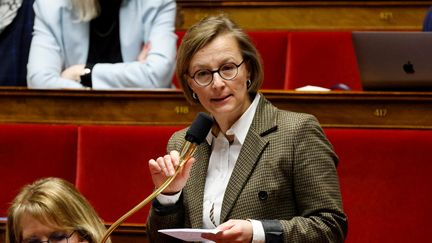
199, 128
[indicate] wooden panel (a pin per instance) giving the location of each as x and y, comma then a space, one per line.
362, 109
310, 15
169, 107
95, 107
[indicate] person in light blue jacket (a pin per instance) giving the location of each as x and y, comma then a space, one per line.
100, 44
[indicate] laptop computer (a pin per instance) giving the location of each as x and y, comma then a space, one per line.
394, 61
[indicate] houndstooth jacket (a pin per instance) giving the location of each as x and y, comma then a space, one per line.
285, 176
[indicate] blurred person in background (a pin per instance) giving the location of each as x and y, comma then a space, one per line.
52, 210
102, 44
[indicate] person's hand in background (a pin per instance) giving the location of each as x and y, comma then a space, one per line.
144, 52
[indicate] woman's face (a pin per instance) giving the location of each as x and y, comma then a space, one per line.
226, 100
33, 231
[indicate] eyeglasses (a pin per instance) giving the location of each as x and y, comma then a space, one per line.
56, 237
227, 71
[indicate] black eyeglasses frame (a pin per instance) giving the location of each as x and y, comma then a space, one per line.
212, 72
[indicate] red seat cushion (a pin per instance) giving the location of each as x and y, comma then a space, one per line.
112, 170
30, 152
321, 59
385, 178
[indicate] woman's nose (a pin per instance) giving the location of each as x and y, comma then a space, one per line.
218, 80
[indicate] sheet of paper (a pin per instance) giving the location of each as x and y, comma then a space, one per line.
312, 88
188, 234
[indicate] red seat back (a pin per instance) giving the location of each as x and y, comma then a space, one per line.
180, 35
272, 46
385, 178
112, 169
321, 59
30, 152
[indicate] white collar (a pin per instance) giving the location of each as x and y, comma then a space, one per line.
241, 127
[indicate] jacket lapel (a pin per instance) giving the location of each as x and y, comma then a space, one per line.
263, 123
76, 42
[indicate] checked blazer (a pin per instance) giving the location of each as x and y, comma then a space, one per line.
285, 176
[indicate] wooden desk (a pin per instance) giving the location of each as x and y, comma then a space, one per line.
169, 107
128, 233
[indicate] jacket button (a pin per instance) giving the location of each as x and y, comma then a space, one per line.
262, 195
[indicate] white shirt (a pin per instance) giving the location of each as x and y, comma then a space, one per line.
221, 165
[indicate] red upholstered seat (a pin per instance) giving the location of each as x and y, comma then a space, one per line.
272, 46
30, 152
112, 167
385, 178
321, 59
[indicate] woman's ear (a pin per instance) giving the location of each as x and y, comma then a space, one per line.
188, 80
190, 84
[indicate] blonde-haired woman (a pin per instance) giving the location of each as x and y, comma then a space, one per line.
115, 44
52, 210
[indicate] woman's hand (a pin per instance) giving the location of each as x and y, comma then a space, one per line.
234, 230
73, 72
144, 52
164, 167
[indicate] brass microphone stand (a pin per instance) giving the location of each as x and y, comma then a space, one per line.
187, 151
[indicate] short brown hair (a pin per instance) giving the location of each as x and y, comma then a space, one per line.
202, 33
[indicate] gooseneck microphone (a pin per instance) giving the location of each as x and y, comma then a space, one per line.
195, 135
